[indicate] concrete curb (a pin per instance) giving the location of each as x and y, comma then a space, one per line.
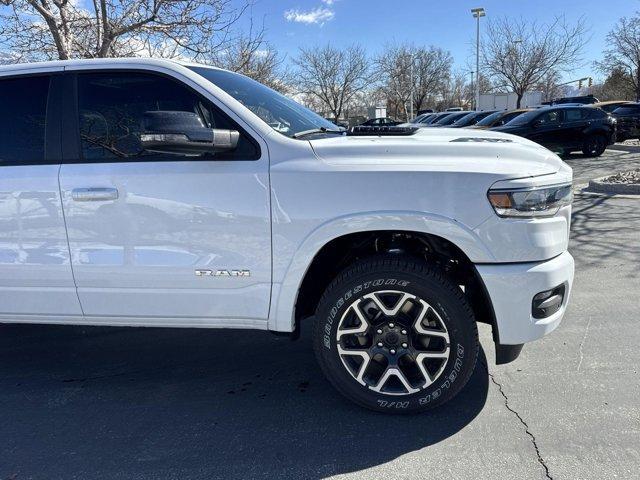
597, 185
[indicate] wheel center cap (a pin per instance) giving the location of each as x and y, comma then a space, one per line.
391, 339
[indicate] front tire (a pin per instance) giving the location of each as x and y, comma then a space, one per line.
395, 335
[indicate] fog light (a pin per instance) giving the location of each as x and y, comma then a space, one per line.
548, 302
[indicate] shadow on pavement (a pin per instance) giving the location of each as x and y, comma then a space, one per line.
604, 230
89, 402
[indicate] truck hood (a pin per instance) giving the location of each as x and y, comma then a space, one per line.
442, 149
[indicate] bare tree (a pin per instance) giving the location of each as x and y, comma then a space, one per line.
63, 29
252, 55
623, 54
406, 69
331, 75
519, 53
431, 70
393, 70
617, 86
550, 87
455, 92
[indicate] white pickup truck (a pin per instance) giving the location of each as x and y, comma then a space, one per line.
146, 192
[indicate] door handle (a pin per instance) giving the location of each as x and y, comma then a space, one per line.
94, 194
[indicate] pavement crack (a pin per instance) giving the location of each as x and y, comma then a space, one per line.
586, 332
534, 442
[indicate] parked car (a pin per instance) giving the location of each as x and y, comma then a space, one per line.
610, 106
422, 117
565, 129
426, 110
577, 100
169, 200
448, 120
500, 118
628, 121
380, 122
339, 123
471, 119
434, 118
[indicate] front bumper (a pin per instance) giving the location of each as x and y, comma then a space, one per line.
512, 287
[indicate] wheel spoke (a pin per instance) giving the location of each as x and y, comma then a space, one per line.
364, 325
426, 308
394, 372
404, 297
421, 357
356, 353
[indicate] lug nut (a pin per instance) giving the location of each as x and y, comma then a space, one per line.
392, 351
379, 331
380, 344
391, 325
404, 345
404, 332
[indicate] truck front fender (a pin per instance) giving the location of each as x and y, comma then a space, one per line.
285, 289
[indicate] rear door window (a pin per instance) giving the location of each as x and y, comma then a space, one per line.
23, 109
574, 115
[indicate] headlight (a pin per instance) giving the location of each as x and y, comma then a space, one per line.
530, 202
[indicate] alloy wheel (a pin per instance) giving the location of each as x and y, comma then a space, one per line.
393, 342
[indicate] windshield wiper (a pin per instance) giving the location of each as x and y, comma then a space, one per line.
317, 130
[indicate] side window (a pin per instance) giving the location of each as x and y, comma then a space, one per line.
596, 113
549, 118
23, 108
111, 108
574, 114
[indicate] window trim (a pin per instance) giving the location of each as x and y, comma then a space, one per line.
72, 147
51, 146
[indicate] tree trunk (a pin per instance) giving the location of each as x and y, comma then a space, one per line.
519, 100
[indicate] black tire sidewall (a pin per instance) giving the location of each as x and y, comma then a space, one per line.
599, 145
428, 285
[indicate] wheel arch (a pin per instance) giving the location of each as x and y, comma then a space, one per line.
346, 239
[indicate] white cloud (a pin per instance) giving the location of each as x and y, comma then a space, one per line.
329, 2
317, 15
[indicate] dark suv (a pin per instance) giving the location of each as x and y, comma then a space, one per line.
628, 117
564, 129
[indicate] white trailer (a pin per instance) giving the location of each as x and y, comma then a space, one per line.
508, 101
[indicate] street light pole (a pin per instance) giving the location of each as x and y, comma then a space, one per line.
473, 101
411, 106
477, 13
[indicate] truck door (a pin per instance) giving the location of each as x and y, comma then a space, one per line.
172, 239
35, 269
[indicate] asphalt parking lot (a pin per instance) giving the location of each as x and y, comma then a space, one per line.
117, 403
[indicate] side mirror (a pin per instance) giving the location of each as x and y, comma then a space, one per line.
536, 123
183, 133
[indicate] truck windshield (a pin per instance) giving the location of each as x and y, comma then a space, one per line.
279, 112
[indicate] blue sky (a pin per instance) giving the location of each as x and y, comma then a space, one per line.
447, 24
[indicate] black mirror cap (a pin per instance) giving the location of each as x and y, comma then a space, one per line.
176, 122
184, 133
